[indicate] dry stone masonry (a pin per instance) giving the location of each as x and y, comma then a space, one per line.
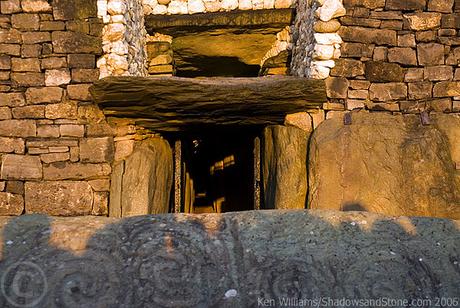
317, 43
61, 154
398, 56
123, 38
55, 146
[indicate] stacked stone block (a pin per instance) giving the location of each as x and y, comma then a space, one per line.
55, 145
160, 55
317, 44
398, 56
123, 38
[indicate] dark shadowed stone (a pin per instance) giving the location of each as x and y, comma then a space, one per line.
347, 68
337, 87
285, 167
240, 21
368, 35
384, 72
406, 5
345, 173
75, 42
228, 260
172, 103
61, 198
74, 9
141, 184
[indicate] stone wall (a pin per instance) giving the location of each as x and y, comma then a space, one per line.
55, 145
124, 38
316, 42
398, 56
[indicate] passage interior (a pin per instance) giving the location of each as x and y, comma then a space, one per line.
218, 170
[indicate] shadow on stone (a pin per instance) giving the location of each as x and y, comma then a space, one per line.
281, 258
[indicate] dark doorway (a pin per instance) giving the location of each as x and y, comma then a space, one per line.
218, 170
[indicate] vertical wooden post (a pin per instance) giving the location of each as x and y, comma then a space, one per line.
177, 176
257, 173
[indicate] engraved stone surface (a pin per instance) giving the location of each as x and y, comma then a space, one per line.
227, 260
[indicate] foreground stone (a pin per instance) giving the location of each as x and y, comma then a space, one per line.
229, 260
387, 164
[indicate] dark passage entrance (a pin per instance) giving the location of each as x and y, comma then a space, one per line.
218, 170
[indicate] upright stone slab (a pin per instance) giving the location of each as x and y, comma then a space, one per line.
388, 164
142, 183
284, 167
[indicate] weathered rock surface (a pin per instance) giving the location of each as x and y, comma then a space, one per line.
229, 260
60, 198
387, 164
173, 103
141, 184
285, 167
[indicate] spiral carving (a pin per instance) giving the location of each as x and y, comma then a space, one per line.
178, 265
293, 279
91, 280
388, 274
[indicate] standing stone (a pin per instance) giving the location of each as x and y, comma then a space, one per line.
66, 198
285, 167
144, 184
388, 164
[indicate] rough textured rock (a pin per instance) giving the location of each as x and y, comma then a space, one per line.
229, 260
218, 101
20, 167
97, 150
61, 198
141, 184
11, 204
387, 164
384, 72
285, 167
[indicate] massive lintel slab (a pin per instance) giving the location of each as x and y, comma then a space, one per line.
177, 25
229, 260
172, 103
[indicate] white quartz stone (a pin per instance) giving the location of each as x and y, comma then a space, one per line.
245, 4
116, 7
269, 4
178, 7
328, 38
196, 6
257, 4
330, 9
323, 52
212, 6
228, 5
113, 32
160, 9
101, 8
319, 72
